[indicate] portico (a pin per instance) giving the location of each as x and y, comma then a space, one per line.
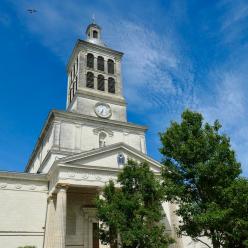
71, 217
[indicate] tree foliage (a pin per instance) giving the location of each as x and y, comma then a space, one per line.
200, 175
236, 228
133, 211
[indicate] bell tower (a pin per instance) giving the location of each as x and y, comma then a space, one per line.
94, 78
95, 116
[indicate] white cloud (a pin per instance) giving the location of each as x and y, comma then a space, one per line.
158, 75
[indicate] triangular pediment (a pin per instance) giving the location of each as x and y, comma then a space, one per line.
110, 157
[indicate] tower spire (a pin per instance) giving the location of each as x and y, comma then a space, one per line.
93, 18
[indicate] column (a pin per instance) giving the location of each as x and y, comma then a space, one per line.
105, 65
60, 228
118, 77
82, 71
49, 231
95, 62
175, 224
95, 80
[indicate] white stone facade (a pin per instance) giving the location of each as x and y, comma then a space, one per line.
51, 205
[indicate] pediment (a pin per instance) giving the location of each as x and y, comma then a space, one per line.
110, 157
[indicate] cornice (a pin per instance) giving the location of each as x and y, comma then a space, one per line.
86, 118
101, 97
109, 148
23, 176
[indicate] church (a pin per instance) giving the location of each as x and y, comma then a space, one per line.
51, 204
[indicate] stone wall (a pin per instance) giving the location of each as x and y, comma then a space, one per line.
23, 210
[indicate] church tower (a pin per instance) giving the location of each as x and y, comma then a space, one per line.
94, 79
95, 115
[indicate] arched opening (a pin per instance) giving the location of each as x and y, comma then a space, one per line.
95, 34
111, 66
100, 63
100, 82
90, 80
90, 60
111, 85
102, 139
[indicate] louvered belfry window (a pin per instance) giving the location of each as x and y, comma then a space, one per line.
90, 80
90, 60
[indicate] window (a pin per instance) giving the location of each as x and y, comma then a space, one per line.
95, 34
111, 68
111, 85
100, 63
100, 82
90, 80
102, 139
90, 60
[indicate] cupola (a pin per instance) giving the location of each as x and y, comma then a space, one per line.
93, 33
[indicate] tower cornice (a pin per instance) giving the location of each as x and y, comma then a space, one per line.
82, 45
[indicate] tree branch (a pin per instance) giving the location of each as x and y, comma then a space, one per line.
198, 240
203, 242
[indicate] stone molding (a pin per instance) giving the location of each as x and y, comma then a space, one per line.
87, 175
23, 182
103, 129
18, 185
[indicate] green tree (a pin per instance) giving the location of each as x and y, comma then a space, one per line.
199, 166
236, 229
131, 213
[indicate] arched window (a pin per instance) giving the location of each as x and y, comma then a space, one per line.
90, 80
111, 85
102, 139
90, 60
111, 66
95, 34
100, 63
100, 82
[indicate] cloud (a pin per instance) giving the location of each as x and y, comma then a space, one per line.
154, 69
159, 75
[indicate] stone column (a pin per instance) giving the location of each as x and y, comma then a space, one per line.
118, 77
49, 231
60, 227
95, 62
105, 66
175, 224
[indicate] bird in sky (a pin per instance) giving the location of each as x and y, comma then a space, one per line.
32, 11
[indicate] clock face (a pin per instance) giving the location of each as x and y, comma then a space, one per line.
103, 110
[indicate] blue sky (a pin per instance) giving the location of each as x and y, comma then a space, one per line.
178, 54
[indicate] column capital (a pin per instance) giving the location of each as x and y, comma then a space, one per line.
51, 197
62, 187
